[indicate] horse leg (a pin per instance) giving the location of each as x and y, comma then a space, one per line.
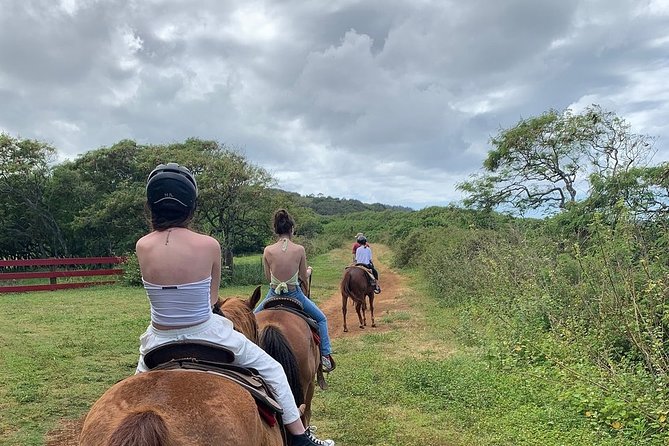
371, 308
306, 416
344, 300
358, 309
364, 312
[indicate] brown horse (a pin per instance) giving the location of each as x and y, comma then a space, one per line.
356, 285
287, 337
182, 407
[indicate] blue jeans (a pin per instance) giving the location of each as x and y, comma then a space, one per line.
311, 309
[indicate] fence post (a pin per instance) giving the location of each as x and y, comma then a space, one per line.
52, 280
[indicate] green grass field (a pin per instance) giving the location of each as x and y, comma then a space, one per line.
414, 384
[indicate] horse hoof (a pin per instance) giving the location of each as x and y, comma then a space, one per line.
345, 330
374, 325
362, 326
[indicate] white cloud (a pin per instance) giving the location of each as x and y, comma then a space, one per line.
64, 126
310, 90
252, 24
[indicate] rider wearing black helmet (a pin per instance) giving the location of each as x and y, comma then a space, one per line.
181, 272
363, 256
171, 196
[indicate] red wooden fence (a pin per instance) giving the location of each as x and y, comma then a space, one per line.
55, 268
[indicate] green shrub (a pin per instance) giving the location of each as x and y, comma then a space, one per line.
132, 276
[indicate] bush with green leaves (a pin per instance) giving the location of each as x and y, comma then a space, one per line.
588, 308
132, 276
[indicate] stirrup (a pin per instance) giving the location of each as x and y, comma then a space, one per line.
327, 363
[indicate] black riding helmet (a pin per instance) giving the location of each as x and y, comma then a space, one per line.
362, 240
171, 186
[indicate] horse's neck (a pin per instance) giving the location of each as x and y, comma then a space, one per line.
243, 320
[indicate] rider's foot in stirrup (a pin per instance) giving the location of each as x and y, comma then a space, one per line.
327, 363
309, 439
377, 289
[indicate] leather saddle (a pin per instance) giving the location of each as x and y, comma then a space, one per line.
293, 306
210, 357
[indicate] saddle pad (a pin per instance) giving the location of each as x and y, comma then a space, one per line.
247, 378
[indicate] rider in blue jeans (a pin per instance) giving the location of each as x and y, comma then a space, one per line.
285, 264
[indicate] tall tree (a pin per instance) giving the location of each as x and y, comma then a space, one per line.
106, 216
99, 199
543, 162
236, 202
27, 223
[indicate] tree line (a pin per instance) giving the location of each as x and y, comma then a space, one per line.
577, 164
94, 205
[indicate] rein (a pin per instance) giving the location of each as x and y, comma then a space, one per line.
309, 292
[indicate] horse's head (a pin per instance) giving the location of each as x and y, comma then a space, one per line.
240, 312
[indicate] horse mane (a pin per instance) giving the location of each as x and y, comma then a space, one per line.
242, 317
275, 344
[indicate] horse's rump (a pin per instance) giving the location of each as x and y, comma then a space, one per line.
183, 407
355, 284
180, 408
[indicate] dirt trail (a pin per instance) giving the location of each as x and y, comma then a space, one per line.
388, 302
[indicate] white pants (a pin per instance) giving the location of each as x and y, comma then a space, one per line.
247, 354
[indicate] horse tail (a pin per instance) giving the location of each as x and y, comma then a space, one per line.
275, 344
345, 286
145, 428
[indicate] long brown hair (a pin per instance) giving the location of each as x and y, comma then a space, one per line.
162, 219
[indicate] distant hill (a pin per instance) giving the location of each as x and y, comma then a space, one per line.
323, 205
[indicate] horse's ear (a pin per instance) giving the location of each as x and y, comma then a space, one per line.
255, 297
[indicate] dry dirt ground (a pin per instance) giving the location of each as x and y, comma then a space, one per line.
389, 301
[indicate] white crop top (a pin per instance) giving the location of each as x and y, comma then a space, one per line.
363, 255
179, 305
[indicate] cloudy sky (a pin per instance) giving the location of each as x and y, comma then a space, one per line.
390, 101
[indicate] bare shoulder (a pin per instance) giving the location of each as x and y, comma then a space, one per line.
140, 242
209, 240
203, 241
143, 242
